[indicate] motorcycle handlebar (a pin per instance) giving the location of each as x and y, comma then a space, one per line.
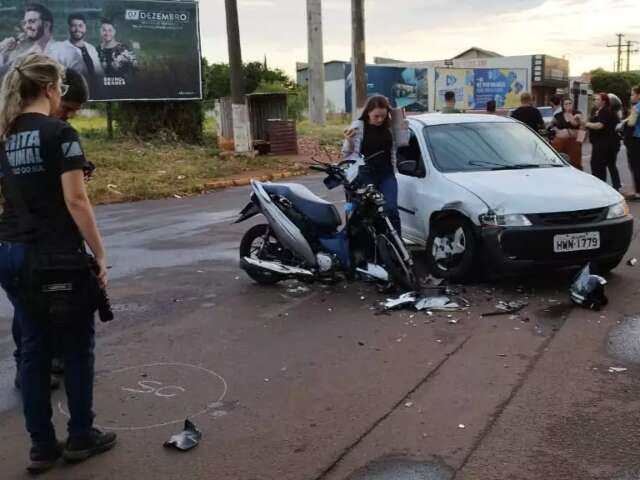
317, 168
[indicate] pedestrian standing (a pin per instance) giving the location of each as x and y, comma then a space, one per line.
46, 211
632, 141
370, 135
566, 125
605, 142
528, 114
449, 103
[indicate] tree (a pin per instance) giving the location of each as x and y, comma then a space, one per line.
217, 78
618, 83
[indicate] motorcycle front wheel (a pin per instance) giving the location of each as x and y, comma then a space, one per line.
401, 274
259, 243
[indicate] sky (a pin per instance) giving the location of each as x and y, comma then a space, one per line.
420, 30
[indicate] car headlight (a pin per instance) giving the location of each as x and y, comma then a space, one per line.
513, 220
620, 209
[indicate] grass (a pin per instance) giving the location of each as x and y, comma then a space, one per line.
130, 169
332, 133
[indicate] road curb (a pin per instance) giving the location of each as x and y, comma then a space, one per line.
244, 181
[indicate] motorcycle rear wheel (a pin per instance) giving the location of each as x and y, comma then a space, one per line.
253, 246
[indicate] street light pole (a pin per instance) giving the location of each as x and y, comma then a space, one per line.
358, 65
241, 130
316, 62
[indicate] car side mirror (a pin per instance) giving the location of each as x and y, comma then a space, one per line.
408, 167
566, 157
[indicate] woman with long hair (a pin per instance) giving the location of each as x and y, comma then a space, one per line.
566, 125
369, 135
605, 142
46, 209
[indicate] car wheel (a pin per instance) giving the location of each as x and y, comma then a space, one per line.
451, 249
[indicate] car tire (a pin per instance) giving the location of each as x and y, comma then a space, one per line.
456, 234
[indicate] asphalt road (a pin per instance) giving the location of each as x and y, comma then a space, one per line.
296, 383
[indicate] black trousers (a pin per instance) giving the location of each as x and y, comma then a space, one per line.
604, 156
633, 154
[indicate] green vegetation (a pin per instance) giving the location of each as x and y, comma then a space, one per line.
618, 83
332, 133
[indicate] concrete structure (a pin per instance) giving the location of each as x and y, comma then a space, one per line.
316, 61
543, 75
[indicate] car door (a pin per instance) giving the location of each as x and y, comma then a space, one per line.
411, 182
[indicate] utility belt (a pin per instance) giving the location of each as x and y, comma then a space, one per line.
59, 285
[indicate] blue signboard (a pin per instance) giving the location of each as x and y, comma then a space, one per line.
404, 87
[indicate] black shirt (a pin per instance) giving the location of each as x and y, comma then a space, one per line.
530, 116
561, 122
374, 140
606, 135
39, 149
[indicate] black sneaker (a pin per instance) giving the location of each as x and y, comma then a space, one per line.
43, 459
53, 385
80, 448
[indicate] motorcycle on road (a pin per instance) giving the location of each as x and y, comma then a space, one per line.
305, 239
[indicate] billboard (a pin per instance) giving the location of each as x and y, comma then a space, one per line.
125, 49
474, 87
404, 87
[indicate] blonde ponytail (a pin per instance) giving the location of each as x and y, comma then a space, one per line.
24, 82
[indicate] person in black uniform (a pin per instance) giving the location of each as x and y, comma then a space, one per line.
46, 208
605, 142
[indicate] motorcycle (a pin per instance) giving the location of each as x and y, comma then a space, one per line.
304, 237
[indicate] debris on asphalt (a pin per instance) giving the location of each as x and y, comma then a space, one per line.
587, 290
632, 262
185, 440
298, 289
403, 300
408, 404
462, 426
440, 303
453, 321
617, 369
504, 308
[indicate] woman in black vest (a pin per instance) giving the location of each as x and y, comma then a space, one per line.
46, 208
604, 141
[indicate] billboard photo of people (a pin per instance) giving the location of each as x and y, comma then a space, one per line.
125, 49
404, 87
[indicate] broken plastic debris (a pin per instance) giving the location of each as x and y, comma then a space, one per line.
453, 321
507, 308
408, 404
632, 262
461, 426
617, 369
441, 303
587, 290
185, 440
403, 300
298, 289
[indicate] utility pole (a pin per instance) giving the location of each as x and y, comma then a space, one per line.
316, 62
358, 65
619, 47
629, 51
241, 135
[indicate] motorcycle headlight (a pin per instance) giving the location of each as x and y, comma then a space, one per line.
513, 220
619, 210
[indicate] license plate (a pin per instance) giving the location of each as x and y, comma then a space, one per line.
575, 242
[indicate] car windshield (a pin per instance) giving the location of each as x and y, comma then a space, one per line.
462, 147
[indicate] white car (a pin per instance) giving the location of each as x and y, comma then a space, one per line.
486, 190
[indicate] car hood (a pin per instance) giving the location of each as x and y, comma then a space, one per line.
537, 190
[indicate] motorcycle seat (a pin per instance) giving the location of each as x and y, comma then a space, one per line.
322, 213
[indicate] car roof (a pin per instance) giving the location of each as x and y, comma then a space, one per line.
429, 119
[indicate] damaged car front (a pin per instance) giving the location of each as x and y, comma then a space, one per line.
535, 209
